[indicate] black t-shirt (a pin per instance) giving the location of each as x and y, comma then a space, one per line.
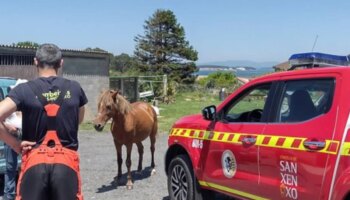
34, 118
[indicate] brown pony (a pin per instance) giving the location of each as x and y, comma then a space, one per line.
132, 123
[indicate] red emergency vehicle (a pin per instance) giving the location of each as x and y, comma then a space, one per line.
280, 136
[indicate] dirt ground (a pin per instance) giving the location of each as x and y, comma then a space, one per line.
99, 169
98, 166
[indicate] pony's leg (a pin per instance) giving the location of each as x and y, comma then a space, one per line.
153, 142
140, 148
118, 147
129, 184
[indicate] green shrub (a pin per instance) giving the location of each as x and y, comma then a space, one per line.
219, 80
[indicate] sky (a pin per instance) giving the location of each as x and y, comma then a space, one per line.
220, 30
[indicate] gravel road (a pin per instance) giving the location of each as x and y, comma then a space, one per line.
98, 164
99, 169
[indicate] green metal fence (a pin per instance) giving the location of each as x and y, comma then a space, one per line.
128, 86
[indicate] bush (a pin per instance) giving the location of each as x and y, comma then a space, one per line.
219, 80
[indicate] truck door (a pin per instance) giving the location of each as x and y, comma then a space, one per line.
231, 164
297, 144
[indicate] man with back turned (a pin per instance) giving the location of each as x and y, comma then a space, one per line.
52, 108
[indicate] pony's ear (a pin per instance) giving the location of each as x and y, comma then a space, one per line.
119, 91
114, 95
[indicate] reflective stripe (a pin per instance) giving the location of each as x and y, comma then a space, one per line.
282, 142
230, 190
345, 149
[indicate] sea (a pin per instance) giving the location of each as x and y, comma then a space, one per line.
240, 73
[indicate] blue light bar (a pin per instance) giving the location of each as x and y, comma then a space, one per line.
318, 59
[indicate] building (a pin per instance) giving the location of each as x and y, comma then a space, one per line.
90, 69
282, 66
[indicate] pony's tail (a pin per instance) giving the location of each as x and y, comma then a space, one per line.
155, 125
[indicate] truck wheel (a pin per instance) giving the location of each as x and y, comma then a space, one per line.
182, 184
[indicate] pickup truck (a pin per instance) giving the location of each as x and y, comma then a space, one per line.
281, 136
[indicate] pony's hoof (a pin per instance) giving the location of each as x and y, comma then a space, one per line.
153, 172
129, 187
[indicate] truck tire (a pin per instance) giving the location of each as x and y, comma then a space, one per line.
182, 184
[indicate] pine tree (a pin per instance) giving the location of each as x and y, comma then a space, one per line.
163, 48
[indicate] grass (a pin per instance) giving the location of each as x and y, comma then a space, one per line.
187, 103
86, 126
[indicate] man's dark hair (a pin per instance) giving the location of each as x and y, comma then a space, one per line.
48, 55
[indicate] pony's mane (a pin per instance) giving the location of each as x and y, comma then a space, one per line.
121, 104
102, 98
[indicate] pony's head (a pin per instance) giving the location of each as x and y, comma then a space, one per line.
109, 105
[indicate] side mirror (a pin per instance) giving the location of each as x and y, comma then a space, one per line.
209, 113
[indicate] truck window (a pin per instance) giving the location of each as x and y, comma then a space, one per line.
305, 99
250, 107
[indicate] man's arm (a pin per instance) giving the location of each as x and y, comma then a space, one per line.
7, 106
81, 114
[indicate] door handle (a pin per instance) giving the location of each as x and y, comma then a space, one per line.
314, 145
248, 140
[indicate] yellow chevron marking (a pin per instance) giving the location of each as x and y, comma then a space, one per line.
328, 143
272, 141
346, 149
172, 132
187, 134
216, 136
236, 138
287, 144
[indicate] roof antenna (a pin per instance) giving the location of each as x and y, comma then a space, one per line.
312, 50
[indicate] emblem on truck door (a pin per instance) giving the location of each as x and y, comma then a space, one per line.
229, 164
